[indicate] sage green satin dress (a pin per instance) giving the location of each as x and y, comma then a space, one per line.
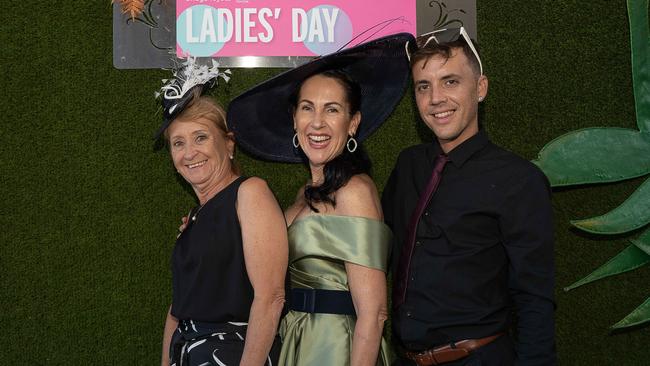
318, 247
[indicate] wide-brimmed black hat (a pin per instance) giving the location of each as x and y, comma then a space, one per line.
261, 117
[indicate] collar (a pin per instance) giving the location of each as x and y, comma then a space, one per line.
461, 153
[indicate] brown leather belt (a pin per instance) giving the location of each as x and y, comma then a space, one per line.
449, 352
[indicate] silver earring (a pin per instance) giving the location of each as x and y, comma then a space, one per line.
480, 99
351, 140
231, 157
296, 143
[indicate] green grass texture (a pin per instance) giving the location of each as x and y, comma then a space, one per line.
90, 209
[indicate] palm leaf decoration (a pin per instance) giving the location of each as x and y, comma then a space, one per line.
607, 154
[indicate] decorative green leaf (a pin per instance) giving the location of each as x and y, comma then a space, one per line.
643, 242
630, 215
629, 259
638, 316
640, 44
600, 155
595, 155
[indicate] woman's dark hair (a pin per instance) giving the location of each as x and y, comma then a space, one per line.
339, 170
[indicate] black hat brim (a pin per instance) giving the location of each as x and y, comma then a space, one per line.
261, 117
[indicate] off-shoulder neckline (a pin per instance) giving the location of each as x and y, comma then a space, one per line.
308, 217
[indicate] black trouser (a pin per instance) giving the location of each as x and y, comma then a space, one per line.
500, 352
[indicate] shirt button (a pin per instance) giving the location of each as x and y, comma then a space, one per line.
412, 278
408, 314
417, 243
426, 213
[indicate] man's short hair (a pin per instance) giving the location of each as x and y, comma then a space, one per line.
444, 49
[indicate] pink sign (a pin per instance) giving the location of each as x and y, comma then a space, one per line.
285, 27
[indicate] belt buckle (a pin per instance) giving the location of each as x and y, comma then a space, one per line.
421, 358
424, 358
438, 355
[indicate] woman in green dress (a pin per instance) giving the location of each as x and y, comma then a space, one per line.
338, 243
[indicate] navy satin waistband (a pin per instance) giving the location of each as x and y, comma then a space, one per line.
321, 301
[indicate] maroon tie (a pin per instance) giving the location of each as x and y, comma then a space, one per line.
401, 278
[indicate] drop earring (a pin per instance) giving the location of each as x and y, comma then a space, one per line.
351, 141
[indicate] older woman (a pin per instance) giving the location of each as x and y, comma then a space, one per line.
229, 263
338, 244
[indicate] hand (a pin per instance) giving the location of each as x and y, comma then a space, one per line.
184, 221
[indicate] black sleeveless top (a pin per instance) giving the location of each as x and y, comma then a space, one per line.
209, 277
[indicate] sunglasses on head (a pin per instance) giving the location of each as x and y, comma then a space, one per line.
445, 36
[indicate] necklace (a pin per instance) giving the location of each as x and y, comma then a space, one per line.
197, 212
208, 200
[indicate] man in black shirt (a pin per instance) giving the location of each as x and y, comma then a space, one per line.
472, 223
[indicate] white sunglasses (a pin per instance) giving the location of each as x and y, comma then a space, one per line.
445, 36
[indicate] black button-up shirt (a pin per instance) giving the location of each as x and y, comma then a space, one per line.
483, 250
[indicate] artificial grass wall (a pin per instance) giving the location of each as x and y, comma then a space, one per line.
90, 210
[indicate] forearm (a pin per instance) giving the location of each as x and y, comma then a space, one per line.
367, 339
171, 324
368, 290
262, 328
